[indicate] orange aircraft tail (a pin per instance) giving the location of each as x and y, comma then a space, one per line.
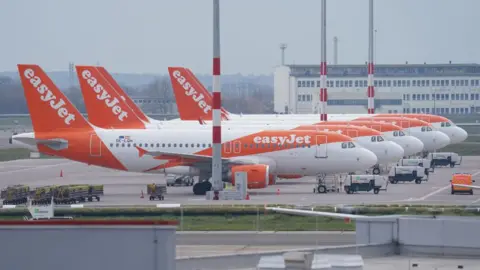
50, 110
108, 77
105, 107
194, 102
59, 128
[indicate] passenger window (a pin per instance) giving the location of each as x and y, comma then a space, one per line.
123, 145
158, 145
209, 145
380, 139
116, 145
163, 145
374, 139
344, 145
128, 145
204, 145
169, 145
111, 145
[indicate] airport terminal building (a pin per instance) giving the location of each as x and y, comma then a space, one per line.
407, 88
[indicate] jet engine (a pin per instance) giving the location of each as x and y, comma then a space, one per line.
257, 175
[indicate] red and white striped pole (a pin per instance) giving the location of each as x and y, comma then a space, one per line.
371, 68
323, 65
217, 101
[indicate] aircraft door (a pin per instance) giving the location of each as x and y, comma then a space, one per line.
237, 147
321, 146
227, 147
95, 146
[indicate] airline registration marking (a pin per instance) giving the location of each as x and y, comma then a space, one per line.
46, 95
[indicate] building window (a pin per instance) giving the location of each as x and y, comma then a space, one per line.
389, 83
318, 83
408, 83
337, 83
356, 83
428, 83
394, 83
414, 83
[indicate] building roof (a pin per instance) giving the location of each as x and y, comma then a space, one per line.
389, 70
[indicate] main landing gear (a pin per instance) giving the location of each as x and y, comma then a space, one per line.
201, 188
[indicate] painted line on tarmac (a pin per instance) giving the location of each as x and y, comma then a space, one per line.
37, 167
439, 190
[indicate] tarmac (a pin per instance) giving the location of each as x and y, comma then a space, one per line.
124, 188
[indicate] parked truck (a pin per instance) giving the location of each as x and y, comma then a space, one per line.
356, 183
406, 174
445, 159
462, 179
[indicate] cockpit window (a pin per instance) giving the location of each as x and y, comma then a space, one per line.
446, 124
395, 134
380, 139
423, 129
426, 129
429, 129
374, 138
348, 145
401, 133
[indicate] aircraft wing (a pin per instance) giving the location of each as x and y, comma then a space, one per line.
55, 144
324, 214
467, 186
195, 160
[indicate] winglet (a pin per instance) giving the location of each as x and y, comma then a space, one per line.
49, 108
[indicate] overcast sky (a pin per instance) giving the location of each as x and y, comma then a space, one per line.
140, 36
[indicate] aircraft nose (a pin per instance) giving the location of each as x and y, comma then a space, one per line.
440, 140
395, 151
366, 158
459, 135
414, 146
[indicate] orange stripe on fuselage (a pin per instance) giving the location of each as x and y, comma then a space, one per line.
378, 126
399, 121
264, 142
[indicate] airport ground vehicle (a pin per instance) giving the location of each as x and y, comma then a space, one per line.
67, 194
156, 191
445, 159
406, 174
185, 180
421, 162
356, 183
462, 179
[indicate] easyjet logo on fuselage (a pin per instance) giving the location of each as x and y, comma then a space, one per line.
104, 96
46, 95
283, 139
191, 92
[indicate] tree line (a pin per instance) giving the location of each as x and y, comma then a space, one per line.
251, 98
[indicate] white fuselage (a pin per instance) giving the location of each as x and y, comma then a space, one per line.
455, 133
302, 161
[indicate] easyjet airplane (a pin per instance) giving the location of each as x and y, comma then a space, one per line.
193, 95
100, 114
101, 100
60, 130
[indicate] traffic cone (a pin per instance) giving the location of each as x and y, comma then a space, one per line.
247, 197
61, 173
141, 196
278, 191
